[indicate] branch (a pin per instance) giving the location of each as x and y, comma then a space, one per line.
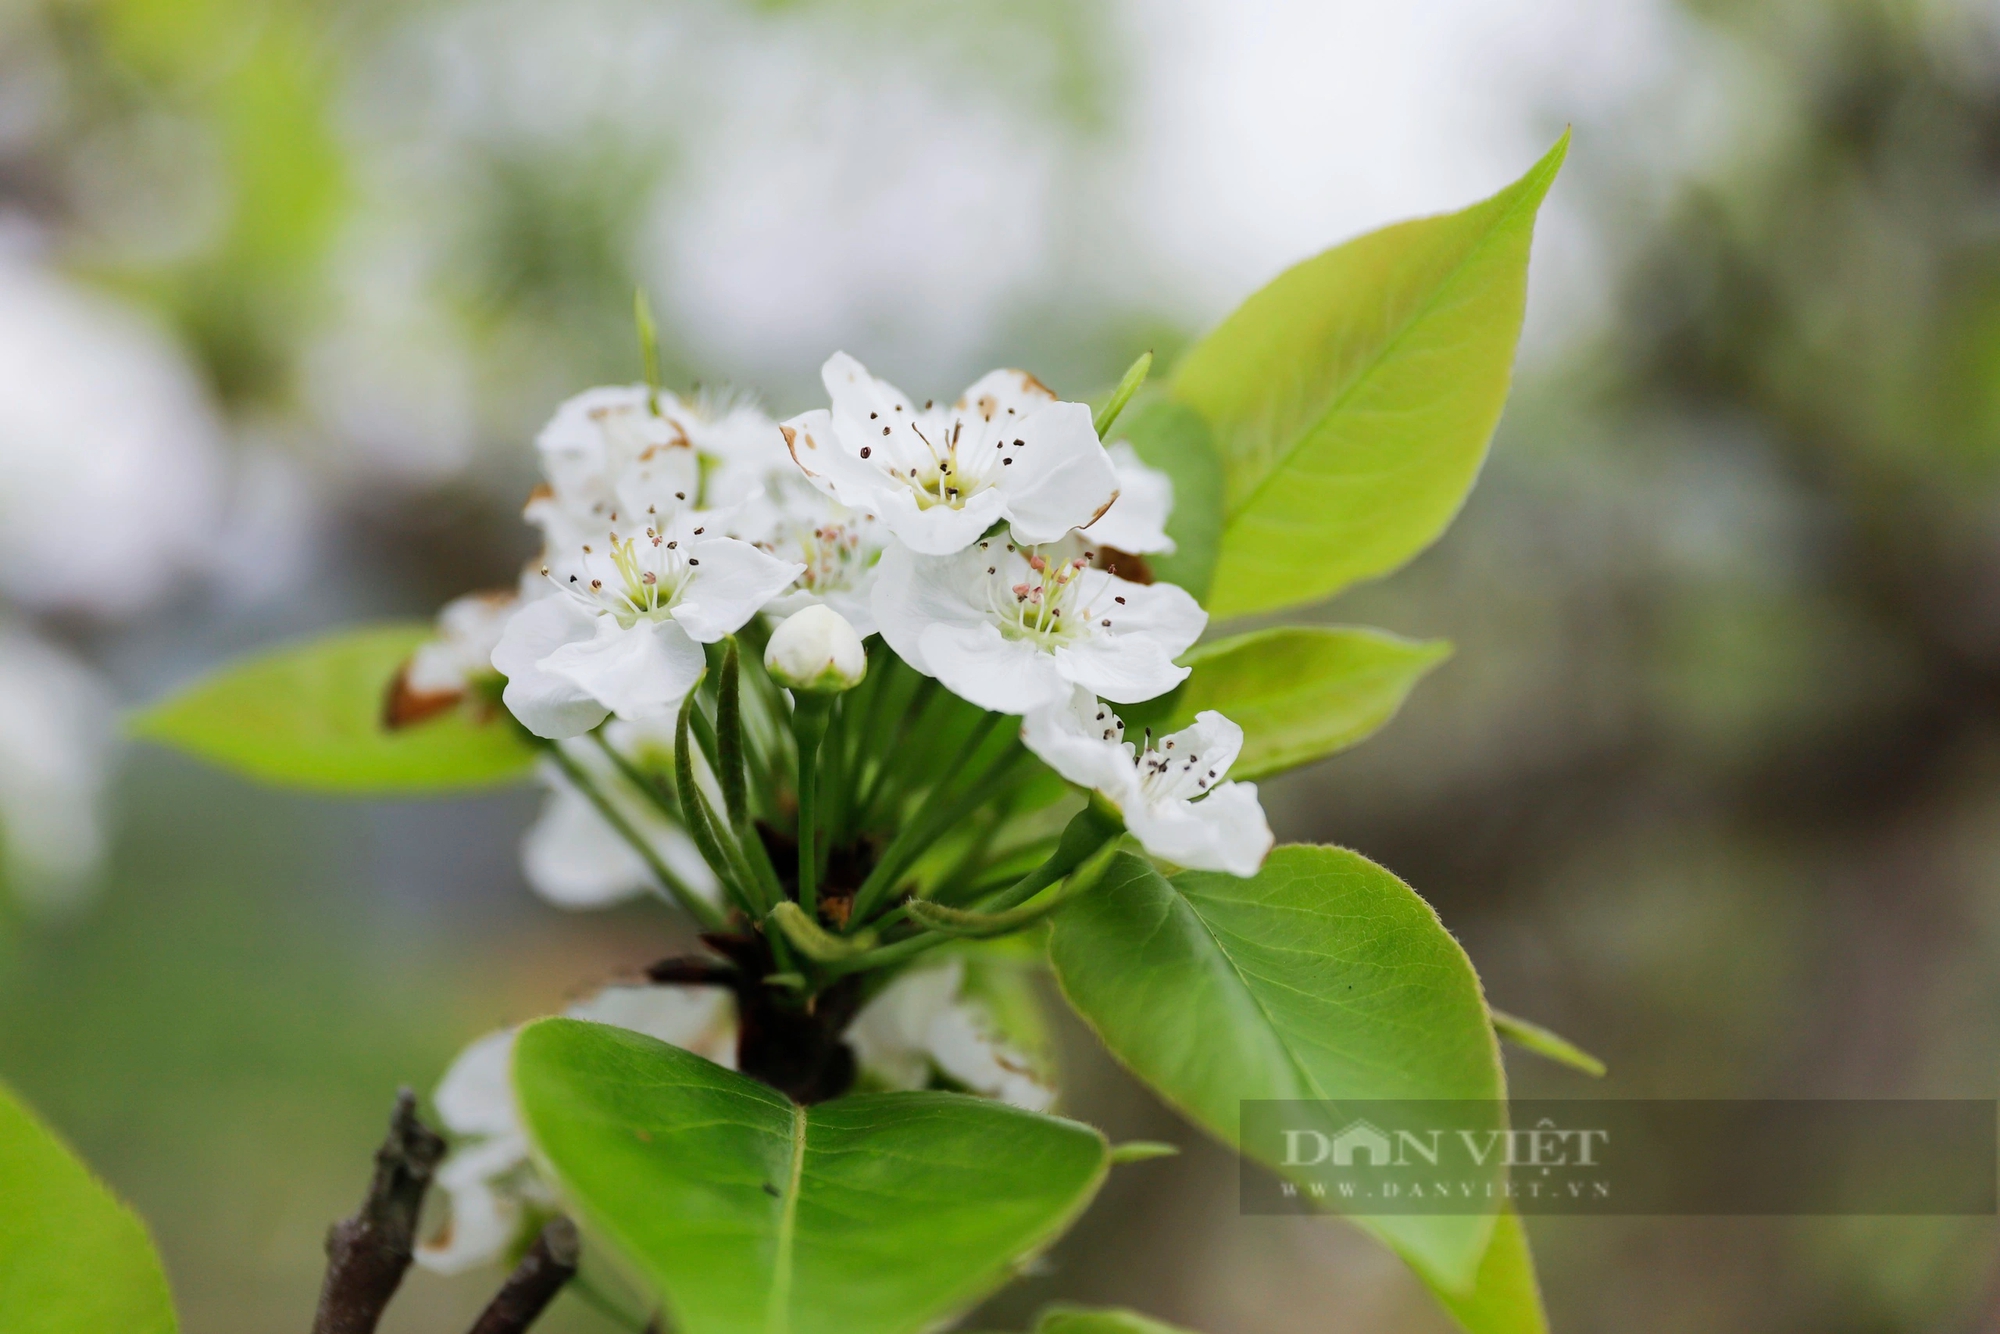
367, 1254
549, 1263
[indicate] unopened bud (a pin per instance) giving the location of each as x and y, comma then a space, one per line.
816, 649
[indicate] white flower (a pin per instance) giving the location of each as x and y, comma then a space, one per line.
442, 670
1013, 629
627, 637
609, 454
920, 1026
58, 728
111, 462
839, 547
494, 1188
816, 649
1172, 794
1137, 520
574, 859
939, 478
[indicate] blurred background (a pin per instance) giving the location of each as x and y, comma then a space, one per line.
1712, 785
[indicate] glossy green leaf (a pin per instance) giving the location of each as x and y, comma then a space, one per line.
1323, 977
73, 1260
1106, 1320
1301, 693
1352, 399
1171, 437
881, 1212
310, 715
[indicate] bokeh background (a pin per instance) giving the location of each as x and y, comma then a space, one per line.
1712, 785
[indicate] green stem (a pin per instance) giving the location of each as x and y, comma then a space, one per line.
690, 902
809, 715
729, 736
694, 814
1087, 834
942, 807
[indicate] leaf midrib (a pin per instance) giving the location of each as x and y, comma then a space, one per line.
1373, 364
778, 1313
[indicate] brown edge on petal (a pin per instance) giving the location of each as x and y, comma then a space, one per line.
792, 446
403, 707
1123, 565
1100, 511
1031, 385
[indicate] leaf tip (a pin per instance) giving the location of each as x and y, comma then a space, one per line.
1141, 1150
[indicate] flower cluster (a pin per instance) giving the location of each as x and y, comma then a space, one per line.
935, 598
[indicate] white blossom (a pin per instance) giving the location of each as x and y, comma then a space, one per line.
1014, 629
494, 1188
626, 636
1007, 450
572, 856
58, 727
921, 1025
454, 662
1137, 520
839, 547
1172, 793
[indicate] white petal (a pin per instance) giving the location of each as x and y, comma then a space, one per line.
889, 1035
730, 585
476, 1095
1225, 831
643, 671
1215, 740
962, 1045
914, 592
1125, 670
1070, 737
548, 704
1002, 394
979, 664
1061, 479
486, 1213
1137, 520
940, 530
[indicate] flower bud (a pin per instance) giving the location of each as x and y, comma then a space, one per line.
816, 649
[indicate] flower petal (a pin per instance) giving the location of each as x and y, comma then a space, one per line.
731, 584
979, 664
1137, 520
475, 1096
1061, 479
1079, 739
547, 704
1225, 831
641, 671
1124, 670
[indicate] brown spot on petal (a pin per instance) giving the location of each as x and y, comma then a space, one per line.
792, 444
1029, 384
1123, 564
988, 405
403, 707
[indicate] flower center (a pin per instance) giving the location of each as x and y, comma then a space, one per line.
948, 477
1045, 604
632, 578
834, 554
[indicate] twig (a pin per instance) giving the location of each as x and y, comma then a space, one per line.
549, 1263
367, 1254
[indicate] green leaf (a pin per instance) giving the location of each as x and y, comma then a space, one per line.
1174, 439
73, 1260
1505, 1299
1352, 399
1301, 693
1543, 1042
1105, 1320
882, 1212
310, 715
1323, 977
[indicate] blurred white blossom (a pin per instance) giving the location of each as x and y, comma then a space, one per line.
111, 470
57, 731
